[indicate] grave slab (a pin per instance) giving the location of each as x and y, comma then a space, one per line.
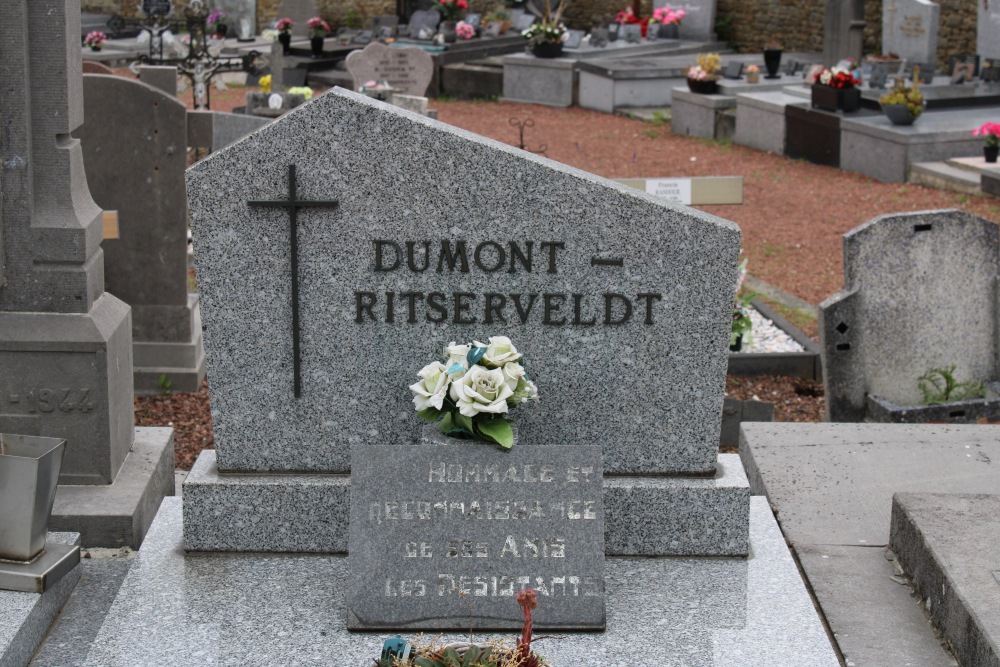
760, 119
832, 486
948, 545
665, 611
696, 115
548, 81
476, 522
25, 618
646, 516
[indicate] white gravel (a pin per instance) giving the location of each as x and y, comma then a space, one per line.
769, 338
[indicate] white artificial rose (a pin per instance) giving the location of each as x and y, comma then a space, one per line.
499, 351
432, 388
512, 373
481, 390
457, 354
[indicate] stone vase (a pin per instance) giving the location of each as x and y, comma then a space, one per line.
448, 31
772, 62
753, 77
29, 475
990, 153
547, 49
285, 39
316, 44
835, 99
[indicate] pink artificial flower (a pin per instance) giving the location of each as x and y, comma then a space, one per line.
464, 30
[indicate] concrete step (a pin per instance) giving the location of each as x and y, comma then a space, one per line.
975, 165
945, 176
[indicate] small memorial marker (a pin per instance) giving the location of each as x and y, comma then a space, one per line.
463, 527
407, 70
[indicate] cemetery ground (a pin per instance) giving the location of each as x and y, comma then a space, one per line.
793, 217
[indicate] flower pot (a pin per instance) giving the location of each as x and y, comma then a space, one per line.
753, 77
835, 99
316, 44
547, 49
703, 86
221, 30
652, 33
772, 61
898, 114
95, 48
29, 474
990, 153
738, 345
448, 30
669, 31
285, 39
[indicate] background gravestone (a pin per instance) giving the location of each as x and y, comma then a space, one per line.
134, 151
241, 16
919, 293
408, 70
843, 30
161, 77
910, 29
65, 344
299, 11
699, 24
988, 29
426, 20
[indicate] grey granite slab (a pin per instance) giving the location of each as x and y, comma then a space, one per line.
371, 158
949, 544
245, 609
832, 486
25, 618
646, 516
72, 635
477, 523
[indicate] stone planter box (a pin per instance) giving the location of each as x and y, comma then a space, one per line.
807, 364
836, 99
978, 410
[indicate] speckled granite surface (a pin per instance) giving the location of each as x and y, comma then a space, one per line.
676, 516
26, 617
651, 394
246, 610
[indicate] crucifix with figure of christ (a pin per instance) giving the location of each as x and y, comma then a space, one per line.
293, 204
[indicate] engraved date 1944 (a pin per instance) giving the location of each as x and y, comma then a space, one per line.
46, 400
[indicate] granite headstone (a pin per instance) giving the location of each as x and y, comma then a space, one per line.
134, 153
401, 265
919, 293
480, 523
299, 11
408, 70
423, 23
157, 76
988, 29
65, 343
699, 24
910, 29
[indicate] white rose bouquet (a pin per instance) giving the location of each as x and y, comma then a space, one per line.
473, 389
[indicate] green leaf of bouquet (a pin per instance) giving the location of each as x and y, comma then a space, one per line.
464, 422
447, 424
429, 414
423, 662
474, 355
499, 431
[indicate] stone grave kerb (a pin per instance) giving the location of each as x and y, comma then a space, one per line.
51, 227
350, 149
920, 292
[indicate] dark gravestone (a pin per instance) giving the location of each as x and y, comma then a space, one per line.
134, 153
734, 70
363, 37
293, 77
465, 526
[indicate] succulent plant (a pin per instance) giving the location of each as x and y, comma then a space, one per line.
474, 656
908, 96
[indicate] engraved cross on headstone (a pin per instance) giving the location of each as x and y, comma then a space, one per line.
293, 204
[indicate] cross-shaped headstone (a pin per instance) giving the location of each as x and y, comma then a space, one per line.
293, 204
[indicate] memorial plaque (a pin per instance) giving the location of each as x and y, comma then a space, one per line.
734, 70
462, 527
632, 33
573, 39
524, 22
408, 70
